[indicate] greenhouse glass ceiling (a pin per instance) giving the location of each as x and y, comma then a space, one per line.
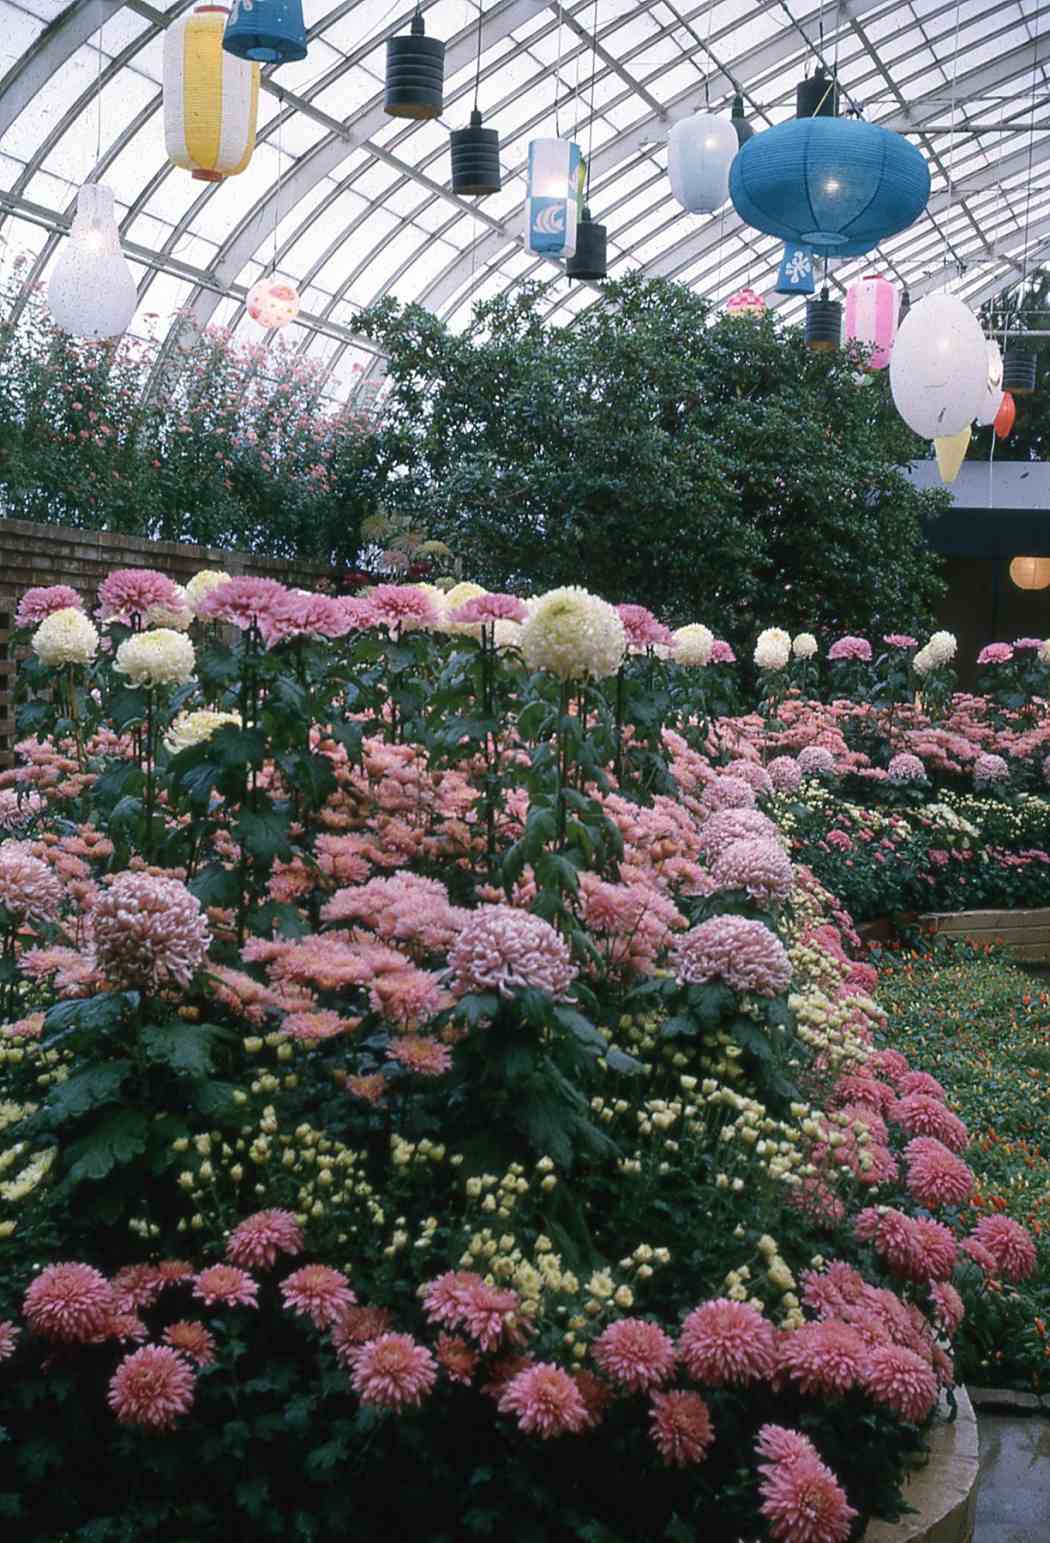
353, 205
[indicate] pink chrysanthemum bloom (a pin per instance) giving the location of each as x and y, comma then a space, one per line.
370, 1089
393, 1372
29, 890
995, 653
981, 1256
729, 825
303, 615
905, 768
149, 931
893, 1236
727, 1344
921, 1115
71, 1303
173, 1272
1026, 644
726, 793
36, 605
489, 608
445, 1297
816, 761
401, 607
313, 1027
743, 953
889, 1064
1009, 1244
935, 1175
136, 1286
641, 627
425, 1057
784, 773
636, 1354
503, 949
901, 1380
753, 774
762, 868
489, 1313
900, 640
129, 592
255, 1243
857, 1088
319, 1293
934, 1246
779, 1444
920, 1082
850, 648
824, 1358
226, 1286
948, 1306
9, 1333
151, 1387
546, 1401
680, 1424
988, 769
354, 1328
192, 1339
244, 602
721, 653
804, 1503
456, 1359
596, 1394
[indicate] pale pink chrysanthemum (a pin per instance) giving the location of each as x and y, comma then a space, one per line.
762, 868
921, 1115
641, 627
136, 1285
129, 592
401, 606
406, 997
726, 1344
243, 601
636, 1354
370, 1089
456, 1358
726, 793
173, 1272
743, 953
255, 1243
779, 1444
503, 949
425, 1057
988, 769
905, 768
71, 1303
312, 1027
901, 1380
680, 1425
489, 608
192, 1339
721, 653
9, 1333
889, 1064
319, 1293
393, 1371
804, 1503
900, 640
729, 825
355, 1327
948, 1306
1009, 1244
858, 1088
224, 1285
753, 774
489, 1313
816, 761
546, 1401
294, 614
935, 1175
445, 1297
29, 890
784, 773
149, 931
18, 806
151, 1387
36, 605
824, 1358
850, 648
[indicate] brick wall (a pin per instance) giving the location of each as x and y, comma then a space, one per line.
32, 555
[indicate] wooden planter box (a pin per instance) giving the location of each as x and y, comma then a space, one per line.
1025, 933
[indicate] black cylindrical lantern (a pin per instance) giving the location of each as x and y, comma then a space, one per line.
415, 74
744, 130
904, 307
1019, 372
817, 97
475, 159
823, 324
590, 259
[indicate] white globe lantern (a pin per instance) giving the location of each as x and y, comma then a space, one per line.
992, 399
91, 293
939, 367
272, 302
700, 153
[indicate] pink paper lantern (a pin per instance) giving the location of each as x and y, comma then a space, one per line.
272, 303
745, 303
872, 304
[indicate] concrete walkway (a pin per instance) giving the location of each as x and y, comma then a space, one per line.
1013, 1498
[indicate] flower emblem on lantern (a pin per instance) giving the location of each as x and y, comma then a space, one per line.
272, 302
746, 302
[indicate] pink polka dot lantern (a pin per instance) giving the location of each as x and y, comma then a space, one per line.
272, 302
746, 302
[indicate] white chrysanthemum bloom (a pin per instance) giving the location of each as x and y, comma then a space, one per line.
452, 599
158, 658
440, 599
572, 634
773, 649
507, 634
202, 584
179, 619
924, 661
1044, 653
692, 644
942, 647
67, 636
194, 728
804, 646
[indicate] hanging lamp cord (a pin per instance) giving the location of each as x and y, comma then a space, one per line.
477, 70
594, 77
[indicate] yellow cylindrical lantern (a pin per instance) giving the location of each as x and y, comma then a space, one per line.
1031, 572
211, 98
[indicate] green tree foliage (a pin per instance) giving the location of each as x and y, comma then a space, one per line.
705, 467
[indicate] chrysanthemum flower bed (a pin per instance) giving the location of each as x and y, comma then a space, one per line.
434, 1105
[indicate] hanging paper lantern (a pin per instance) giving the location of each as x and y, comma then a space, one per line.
272, 302
591, 257
745, 303
91, 293
475, 159
992, 399
1004, 418
838, 185
268, 31
700, 152
939, 366
871, 317
817, 96
741, 128
415, 74
211, 98
553, 197
1031, 572
1019, 371
950, 450
823, 324
795, 274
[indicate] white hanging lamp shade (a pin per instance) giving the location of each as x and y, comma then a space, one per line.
939, 367
211, 98
700, 151
552, 198
91, 293
272, 302
992, 399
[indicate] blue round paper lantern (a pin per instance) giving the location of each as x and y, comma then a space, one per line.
266, 31
836, 185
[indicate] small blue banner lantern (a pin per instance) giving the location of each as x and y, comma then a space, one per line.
266, 31
553, 197
795, 275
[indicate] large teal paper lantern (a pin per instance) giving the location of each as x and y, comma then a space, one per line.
836, 185
266, 31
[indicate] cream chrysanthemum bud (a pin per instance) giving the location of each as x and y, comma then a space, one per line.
773, 649
158, 658
692, 644
66, 637
572, 634
194, 728
202, 584
804, 646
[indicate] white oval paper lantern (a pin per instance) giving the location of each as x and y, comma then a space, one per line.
700, 151
272, 302
939, 366
553, 193
211, 98
992, 399
91, 293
